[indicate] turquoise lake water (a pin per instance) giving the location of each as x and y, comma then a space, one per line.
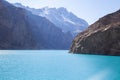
57, 65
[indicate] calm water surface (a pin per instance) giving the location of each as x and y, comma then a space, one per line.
57, 65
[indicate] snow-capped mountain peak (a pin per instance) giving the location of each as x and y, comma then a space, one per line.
61, 17
46, 10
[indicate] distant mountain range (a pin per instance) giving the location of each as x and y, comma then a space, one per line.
63, 19
20, 29
29, 28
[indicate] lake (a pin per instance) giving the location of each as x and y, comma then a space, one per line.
57, 65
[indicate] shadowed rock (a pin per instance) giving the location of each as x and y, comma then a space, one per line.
20, 29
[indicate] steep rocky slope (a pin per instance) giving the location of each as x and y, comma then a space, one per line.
102, 37
20, 29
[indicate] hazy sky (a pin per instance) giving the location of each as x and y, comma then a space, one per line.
90, 10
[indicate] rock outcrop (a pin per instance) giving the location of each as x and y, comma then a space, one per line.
102, 37
20, 29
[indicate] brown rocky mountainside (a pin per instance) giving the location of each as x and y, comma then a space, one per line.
102, 37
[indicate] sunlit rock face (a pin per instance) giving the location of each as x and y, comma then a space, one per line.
20, 29
102, 37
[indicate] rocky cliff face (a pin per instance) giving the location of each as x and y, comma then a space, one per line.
102, 37
20, 29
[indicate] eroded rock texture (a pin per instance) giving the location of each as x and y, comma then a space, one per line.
102, 37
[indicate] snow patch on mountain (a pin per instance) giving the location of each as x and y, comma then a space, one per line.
68, 20
61, 17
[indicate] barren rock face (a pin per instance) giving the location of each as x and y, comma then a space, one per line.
102, 37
